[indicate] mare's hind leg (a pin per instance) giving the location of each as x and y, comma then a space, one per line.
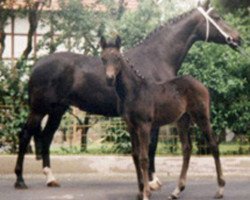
204, 123
32, 127
183, 126
155, 183
47, 136
38, 146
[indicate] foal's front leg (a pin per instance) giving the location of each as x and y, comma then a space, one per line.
135, 156
143, 132
183, 126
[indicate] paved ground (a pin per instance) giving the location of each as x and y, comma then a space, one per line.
113, 178
92, 187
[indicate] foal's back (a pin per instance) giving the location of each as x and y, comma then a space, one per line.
180, 95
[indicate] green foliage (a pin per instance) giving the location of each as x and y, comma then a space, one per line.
80, 27
232, 5
135, 26
115, 132
14, 97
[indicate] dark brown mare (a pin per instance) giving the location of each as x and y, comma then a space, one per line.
145, 104
63, 79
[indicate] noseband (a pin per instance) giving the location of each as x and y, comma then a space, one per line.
228, 38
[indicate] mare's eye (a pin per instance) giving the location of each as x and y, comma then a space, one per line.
217, 17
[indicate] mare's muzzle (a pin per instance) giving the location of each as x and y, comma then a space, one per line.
234, 43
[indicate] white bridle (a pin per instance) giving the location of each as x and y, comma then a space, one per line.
209, 19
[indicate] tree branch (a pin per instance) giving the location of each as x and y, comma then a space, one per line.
33, 17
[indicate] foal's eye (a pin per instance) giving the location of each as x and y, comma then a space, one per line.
104, 61
117, 59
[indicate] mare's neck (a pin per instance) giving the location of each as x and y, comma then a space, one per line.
168, 46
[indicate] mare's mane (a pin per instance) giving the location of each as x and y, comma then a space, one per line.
166, 25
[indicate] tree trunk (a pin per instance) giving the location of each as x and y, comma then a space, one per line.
33, 21
3, 20
84, 132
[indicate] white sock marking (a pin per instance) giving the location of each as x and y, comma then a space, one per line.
49, 175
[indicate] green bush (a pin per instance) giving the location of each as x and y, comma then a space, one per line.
115, 132
14, 99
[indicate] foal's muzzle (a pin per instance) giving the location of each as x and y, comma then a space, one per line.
110, 80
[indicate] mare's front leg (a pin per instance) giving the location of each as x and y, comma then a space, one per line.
154, 183
48, 133
143, 131
183, 126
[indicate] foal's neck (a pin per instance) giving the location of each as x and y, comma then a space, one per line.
128, 83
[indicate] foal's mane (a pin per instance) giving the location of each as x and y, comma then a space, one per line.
167, 25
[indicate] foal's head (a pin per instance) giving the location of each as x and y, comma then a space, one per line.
112, 59
213, 28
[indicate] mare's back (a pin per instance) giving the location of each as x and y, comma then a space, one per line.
63, 66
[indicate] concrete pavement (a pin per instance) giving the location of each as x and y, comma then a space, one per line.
238, 166
113, 178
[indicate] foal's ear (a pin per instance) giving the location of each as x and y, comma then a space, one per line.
118, 42
103, 42
204, 4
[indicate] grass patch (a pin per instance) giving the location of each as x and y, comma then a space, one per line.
162, 149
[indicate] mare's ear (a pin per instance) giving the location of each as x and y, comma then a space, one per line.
103, 42
118, 42
204, 4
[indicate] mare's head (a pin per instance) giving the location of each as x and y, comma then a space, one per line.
213, 28
111, 59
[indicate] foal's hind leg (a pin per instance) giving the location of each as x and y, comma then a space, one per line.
30, 128
155, 183
47, 134
183, 126
204, 123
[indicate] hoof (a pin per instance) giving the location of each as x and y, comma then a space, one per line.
218, 196
155, 185
171, 197
53, 184
139, 196
20, 185
219, 193
38, 157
